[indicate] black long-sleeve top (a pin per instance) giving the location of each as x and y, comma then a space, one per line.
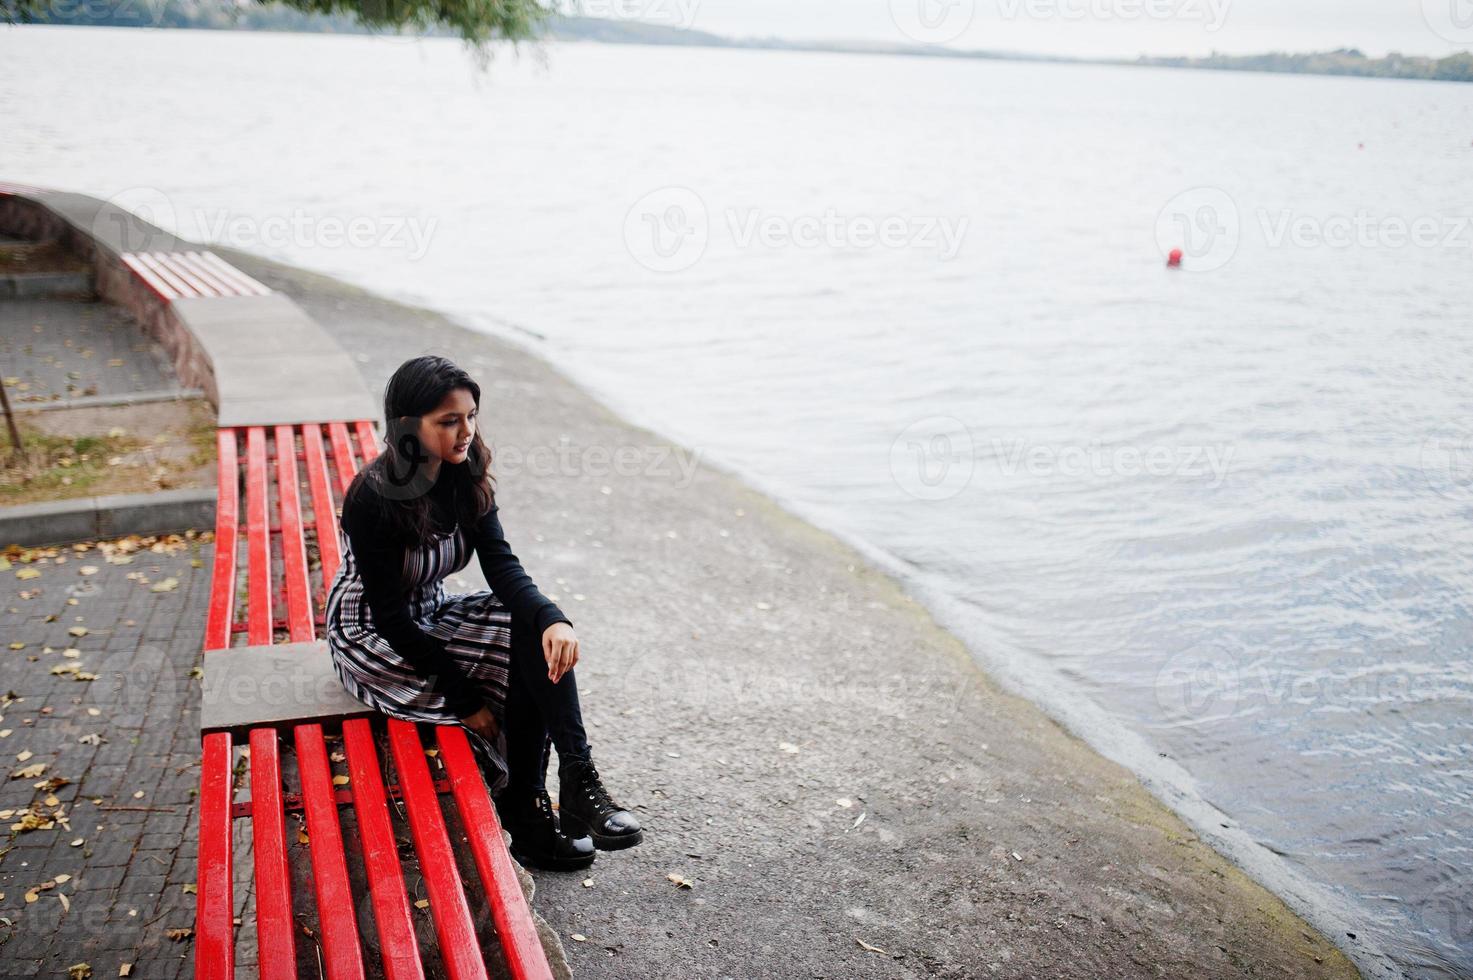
380, 564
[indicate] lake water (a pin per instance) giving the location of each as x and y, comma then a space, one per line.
1216, 519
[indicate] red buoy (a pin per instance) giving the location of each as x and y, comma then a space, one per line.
1173, 261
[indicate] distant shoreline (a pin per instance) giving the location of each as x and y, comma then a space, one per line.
1344, 62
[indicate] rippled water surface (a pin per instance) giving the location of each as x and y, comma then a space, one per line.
1226, 509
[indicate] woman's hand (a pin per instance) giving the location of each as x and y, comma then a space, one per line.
483, 723
560, 647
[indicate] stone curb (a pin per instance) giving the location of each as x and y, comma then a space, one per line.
46, 285
92, 518
111, 401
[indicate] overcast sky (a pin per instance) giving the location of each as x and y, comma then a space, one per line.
1087, 27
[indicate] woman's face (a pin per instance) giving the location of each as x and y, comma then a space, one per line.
446, 432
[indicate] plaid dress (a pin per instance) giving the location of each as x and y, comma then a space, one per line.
476, 626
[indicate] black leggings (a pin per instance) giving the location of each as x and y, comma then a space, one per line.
536, 708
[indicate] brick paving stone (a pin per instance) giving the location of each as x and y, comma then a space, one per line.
127, 877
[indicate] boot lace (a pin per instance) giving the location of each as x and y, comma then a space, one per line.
594, 792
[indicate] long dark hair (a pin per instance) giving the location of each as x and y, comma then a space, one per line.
398, 476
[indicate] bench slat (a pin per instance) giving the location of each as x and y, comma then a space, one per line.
182, 289
391, 913
335, 913
342, 454
275, 929
324, 512
227, 531
367, 441
150, 279
293, 542
247, 285
453, 924
214, 912
258, 538
173, 262
525, 959
207, 273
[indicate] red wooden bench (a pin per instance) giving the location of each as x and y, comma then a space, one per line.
283, 602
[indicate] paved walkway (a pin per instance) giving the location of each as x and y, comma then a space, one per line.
112, 715
61, 349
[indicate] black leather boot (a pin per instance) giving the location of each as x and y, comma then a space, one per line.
535, 839
586, 808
